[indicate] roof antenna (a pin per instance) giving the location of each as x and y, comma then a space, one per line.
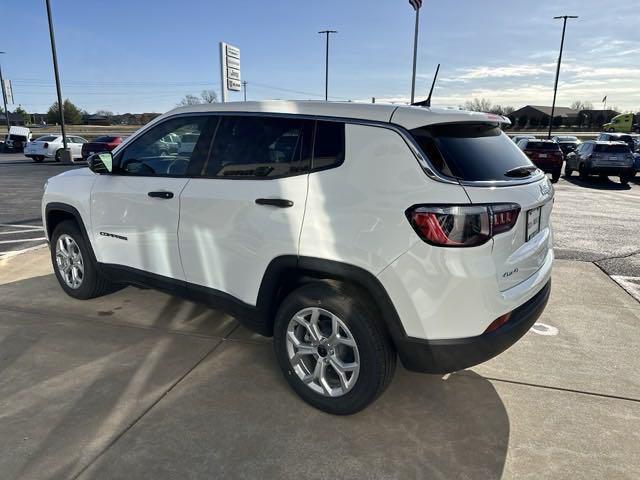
427, 102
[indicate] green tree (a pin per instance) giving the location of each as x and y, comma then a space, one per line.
72, 114
23, 113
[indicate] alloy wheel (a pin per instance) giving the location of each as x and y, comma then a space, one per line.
69, 261
323, 352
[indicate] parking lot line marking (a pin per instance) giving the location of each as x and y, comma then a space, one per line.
23, 240
13, 232
13, 225
13, 253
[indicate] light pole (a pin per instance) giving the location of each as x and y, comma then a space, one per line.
326, 64
416, 4
244, 89
555, 87
55, 71
4, 99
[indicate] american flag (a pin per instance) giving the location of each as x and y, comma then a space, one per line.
416, 4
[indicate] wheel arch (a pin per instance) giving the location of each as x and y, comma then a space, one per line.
285, 273
56, 212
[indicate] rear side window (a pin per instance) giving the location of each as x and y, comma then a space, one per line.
542, 146
260, 147
46, 138
470, 151
328, 149
615, 148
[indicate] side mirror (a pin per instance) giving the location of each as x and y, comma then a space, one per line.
101, 162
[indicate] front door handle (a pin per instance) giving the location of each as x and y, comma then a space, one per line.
275, 202
163, 195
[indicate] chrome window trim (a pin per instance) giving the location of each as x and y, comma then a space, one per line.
420, 156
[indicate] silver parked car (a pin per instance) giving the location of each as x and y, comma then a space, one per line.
601, 158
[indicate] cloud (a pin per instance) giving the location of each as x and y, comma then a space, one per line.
507, 71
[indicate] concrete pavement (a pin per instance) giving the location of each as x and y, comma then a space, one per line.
142, 385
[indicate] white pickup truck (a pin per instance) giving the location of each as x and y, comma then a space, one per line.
16, 139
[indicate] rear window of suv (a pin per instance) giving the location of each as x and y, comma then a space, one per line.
470, 151
104, 139
542, 146
615, 148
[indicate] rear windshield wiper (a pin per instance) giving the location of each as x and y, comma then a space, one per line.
521, 171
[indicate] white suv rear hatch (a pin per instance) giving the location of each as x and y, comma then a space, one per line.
493, 170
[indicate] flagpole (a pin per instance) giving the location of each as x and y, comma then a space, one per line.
415, 52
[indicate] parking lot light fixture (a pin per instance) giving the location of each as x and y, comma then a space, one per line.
555, 87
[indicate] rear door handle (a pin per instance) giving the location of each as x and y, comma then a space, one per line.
275, 202
163, 195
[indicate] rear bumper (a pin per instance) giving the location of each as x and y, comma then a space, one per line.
443, 356
595, 170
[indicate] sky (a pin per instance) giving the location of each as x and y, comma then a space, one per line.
144, 56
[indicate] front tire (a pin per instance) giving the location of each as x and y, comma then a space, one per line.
332, 347
555, 175
567, 171
73, 263
624, 178
59, 155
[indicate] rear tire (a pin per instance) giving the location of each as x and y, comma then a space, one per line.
624, 178
555, 175
318, 304
77, 264
59, 155
584, 173
37, 159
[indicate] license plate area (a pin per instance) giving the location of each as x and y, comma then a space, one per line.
542, 155
533, 223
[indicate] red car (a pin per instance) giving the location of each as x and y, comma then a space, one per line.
105, 143
545, 154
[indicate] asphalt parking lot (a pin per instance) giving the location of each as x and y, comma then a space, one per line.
139, 384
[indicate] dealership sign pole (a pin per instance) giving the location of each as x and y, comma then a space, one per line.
229, 69
4, 99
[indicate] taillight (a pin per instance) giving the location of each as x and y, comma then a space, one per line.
462, 225
46, 145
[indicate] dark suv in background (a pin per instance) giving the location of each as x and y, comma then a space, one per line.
545, 154
601, 158
568, 143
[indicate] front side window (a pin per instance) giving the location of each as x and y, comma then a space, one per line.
260, 147
167, 149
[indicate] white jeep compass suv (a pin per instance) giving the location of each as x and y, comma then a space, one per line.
351, 233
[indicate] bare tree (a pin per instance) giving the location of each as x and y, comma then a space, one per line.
478, 105
189, 100
582, 105
208, 96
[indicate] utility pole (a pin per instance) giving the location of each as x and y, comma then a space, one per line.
555, 87
326, 64
416, 4
244, 88
4, 99
55, 71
